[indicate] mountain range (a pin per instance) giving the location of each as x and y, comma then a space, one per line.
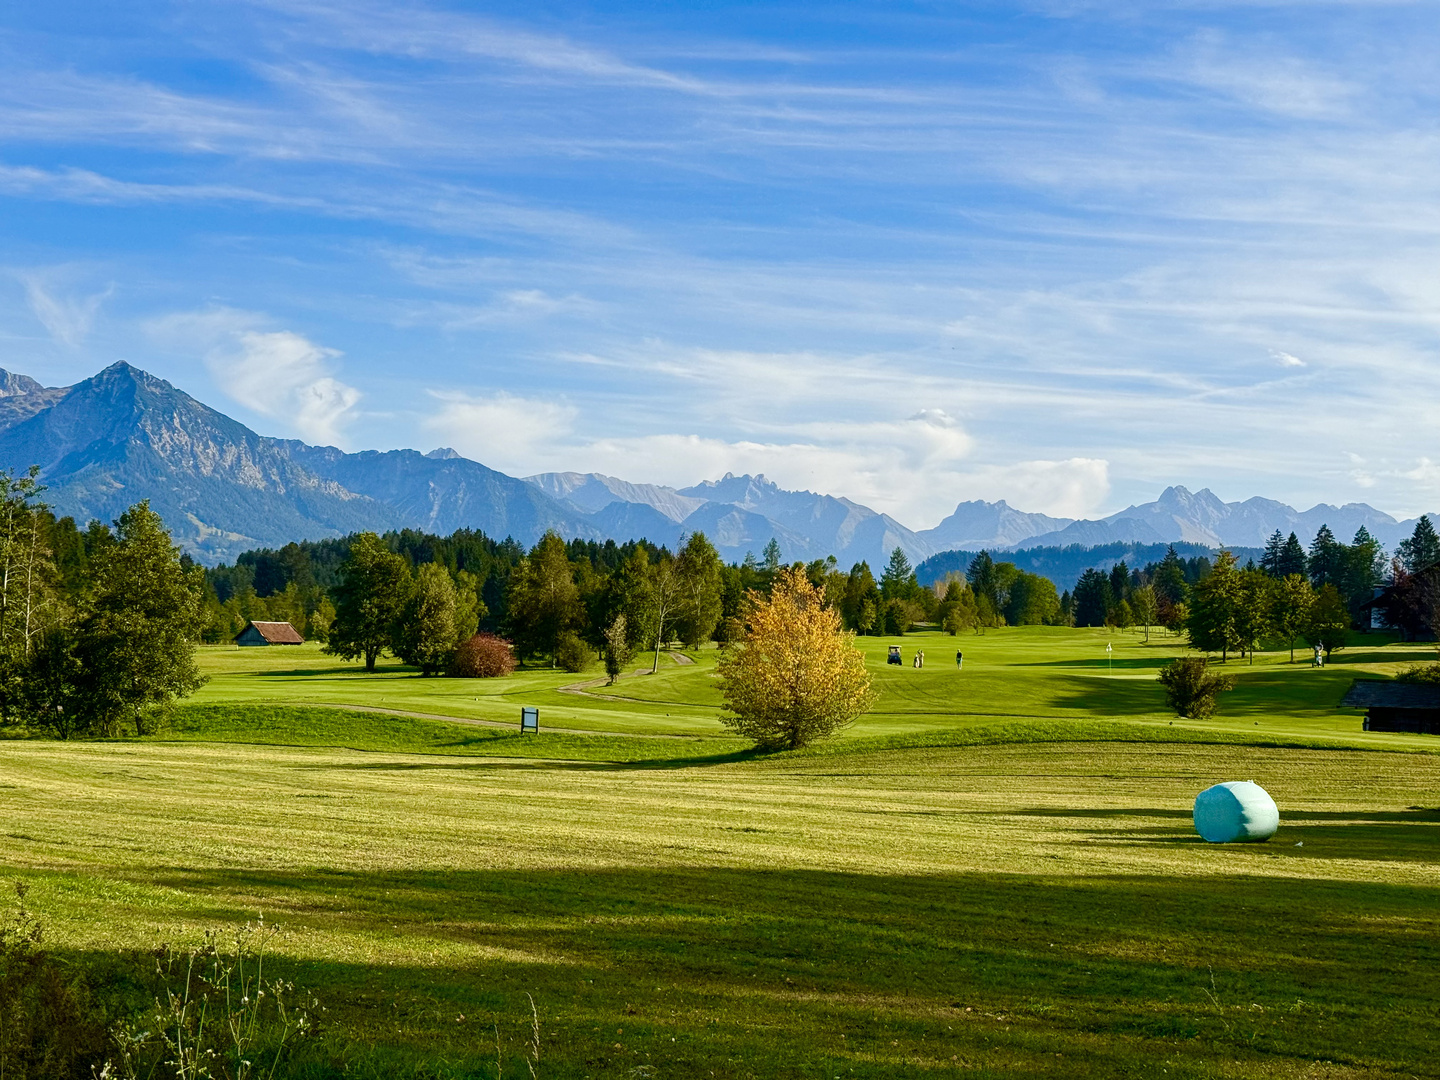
125, 435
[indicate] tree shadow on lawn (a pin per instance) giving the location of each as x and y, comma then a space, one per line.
1105, 697
522, 762
760, 963
1263, 693
1380, 836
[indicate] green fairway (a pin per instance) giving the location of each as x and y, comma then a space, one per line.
1049, 672
995, 874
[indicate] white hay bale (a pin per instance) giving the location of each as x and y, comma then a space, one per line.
1238, 811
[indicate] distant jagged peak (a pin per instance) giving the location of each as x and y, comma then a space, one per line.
443, 453
13, 384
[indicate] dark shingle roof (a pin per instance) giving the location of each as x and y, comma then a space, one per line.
278, 633
1374, 693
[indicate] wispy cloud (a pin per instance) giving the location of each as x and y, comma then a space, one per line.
916, 262
67, 316
277, 374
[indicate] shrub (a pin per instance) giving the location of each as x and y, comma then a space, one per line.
1191, 689
572, 654
1428, 674
484, 656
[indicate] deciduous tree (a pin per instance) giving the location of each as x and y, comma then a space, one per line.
543, 600
1214, 602
797, 677
1142, 603
427, 630
374, 585
1329, 625
698, 569
1290, 608
135, 638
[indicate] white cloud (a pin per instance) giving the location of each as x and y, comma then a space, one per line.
502, 431
1285, 359
67, 318
1076, 487
275, 373
915, 469
1284, 85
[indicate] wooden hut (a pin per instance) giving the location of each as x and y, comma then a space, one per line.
269, 633
1396, 706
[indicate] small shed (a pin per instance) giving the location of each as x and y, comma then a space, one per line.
269, 633
1396, 706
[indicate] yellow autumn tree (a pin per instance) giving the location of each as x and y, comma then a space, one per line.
797, 676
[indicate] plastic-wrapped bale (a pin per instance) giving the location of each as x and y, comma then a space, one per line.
1238, 811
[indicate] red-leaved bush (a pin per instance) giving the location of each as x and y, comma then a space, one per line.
484, 656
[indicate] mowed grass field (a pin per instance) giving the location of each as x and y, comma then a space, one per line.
994, 874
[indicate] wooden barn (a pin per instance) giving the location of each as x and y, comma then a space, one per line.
1396, 706
269, 633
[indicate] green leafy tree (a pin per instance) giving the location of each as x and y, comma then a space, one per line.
28, 600
698, 569
957, 610
1031, 600
1214, 604
861, 606
1142, 603
427, 630
543, 600
52, 683
1252, 609
469, 608
136, 634
663, 598
1121, 617
617, 647
1290, 608
373, 586
1329, 625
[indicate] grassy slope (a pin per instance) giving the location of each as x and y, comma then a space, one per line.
678, 908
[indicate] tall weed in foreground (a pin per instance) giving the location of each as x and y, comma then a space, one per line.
216, 1016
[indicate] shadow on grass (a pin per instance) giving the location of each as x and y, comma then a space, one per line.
1105, 697
527, 763
705, 967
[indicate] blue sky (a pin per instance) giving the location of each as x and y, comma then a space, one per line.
1063, 254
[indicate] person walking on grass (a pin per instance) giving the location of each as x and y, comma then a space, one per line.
959, 659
